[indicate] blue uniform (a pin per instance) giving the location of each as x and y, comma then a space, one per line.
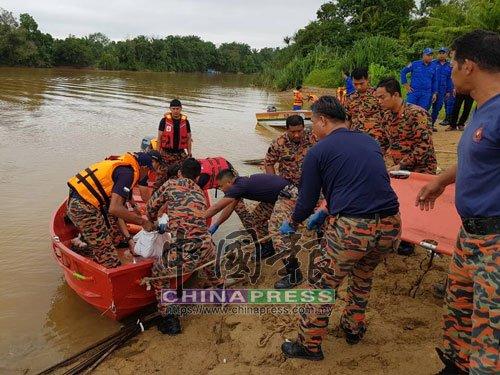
423, 83
349, 86
260, 187
444, 86
477, 192
348, 167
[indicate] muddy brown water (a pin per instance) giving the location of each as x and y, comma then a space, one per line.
53, 122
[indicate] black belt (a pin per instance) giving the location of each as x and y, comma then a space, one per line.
482, 226
372, 216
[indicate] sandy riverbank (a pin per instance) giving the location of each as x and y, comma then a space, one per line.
402, 331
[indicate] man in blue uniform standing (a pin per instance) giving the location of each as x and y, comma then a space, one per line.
471, 326
422, 90
349, 84
444, 85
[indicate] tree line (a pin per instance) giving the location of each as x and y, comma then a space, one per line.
383, 35
23, 44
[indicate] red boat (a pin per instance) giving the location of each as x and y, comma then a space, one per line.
117, 292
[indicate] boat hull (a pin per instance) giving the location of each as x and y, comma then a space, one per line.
278, 119
116, 292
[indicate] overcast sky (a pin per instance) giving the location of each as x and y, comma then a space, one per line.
259, 23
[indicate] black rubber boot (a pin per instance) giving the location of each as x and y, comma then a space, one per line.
293, 275
169, 325
450, 368
353, 338
293, 349
266, 250
406, 249
283, 271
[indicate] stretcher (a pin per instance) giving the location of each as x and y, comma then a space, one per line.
436, 229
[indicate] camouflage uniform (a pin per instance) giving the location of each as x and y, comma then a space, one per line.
289, 155
472, 305
169, 158
410, 138
257, 221
100, 239
365, 114
282, 211
354, 248
186, 205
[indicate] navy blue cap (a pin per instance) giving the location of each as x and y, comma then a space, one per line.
427, 51
145, 159
443, 49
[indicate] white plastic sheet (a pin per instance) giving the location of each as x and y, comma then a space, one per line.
150, 244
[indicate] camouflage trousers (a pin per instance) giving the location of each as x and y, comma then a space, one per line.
100, 239
195, 253
169, 158
257, 221
472, 304
282, 211
353, 248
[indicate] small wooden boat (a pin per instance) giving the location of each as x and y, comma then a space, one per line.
116, 292
278, 118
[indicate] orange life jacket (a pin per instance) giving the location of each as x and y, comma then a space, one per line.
341, 95
167, 139
297, 98
212, 167
95, 183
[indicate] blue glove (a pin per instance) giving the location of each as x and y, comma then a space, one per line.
213, 228
316, 220
162, 228
286, 228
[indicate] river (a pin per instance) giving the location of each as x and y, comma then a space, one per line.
54, 122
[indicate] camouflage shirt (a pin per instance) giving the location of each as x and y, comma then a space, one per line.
366, 114
185, 206
289, 155
410, 138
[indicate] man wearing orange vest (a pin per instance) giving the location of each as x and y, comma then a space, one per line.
174, 139
298, 99
97, 200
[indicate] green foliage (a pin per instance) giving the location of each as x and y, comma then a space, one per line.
380, 50
23, 44
108, 61
377, 72
380, 34
73, 51
327, 77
